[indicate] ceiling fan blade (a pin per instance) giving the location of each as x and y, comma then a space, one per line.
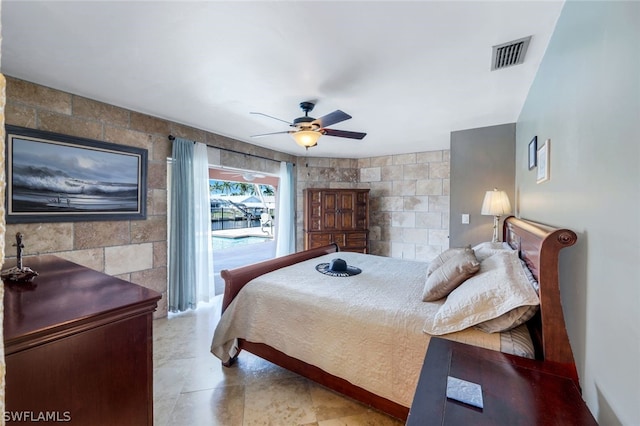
332, 118
343, 133
274, 133
275, 118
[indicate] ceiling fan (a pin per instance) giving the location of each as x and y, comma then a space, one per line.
309, 129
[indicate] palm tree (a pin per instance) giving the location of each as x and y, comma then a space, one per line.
267, 189
247, 188
227, 187
215, 186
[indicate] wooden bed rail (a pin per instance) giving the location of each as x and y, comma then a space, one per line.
241, 276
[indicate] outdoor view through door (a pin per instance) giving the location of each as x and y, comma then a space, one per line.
243, 207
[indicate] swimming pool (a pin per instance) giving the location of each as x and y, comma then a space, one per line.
220, 243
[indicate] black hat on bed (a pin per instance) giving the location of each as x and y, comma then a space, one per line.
338, 268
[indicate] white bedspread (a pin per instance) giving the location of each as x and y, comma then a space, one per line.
366, 328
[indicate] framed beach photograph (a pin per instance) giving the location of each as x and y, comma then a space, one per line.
543, 162
533, 152
58, 178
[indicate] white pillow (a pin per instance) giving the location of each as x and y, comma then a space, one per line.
514, 317
497, 288
487, 249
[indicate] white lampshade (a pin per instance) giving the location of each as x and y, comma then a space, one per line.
306, 138
496, 203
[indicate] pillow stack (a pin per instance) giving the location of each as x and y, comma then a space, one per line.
486, 287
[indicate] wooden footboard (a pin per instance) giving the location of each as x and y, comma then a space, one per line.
235, 279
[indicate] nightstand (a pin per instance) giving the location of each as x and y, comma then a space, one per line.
515, 390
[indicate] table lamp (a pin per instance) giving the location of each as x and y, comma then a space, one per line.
496, 203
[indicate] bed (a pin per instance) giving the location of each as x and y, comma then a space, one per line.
368, 331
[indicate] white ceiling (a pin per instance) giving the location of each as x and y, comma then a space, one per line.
408, 72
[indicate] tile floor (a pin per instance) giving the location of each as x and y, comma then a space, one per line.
192, 388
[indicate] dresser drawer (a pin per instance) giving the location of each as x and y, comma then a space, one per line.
324, 238
318, 240
355, 239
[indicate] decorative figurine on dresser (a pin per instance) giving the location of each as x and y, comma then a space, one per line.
78, 344
18, 274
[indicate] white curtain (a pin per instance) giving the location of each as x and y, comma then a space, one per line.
190, 252
285, 213
202, 218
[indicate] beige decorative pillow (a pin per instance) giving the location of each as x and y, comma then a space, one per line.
497, 288
450, 275
443, 257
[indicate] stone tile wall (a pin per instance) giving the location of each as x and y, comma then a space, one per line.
409, 211
132, 250
409, 199
409, 193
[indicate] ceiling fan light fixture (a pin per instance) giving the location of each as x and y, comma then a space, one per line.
306, 138
310, 129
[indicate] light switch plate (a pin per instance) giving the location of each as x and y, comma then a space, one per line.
465, 218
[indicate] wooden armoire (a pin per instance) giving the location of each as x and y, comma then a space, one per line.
338, 216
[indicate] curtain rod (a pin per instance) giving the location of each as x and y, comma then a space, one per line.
172, 138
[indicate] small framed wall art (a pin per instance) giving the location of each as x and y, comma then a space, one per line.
533, 152
543, 162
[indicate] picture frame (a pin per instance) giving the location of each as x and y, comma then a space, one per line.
533, 152
543, 173
58, 178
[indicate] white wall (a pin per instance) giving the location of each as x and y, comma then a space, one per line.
586, 99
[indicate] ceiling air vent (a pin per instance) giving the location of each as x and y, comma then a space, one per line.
511, 53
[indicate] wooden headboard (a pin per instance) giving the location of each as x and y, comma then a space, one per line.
539, 246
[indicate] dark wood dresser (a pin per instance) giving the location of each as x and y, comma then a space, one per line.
78, 347
338, 216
